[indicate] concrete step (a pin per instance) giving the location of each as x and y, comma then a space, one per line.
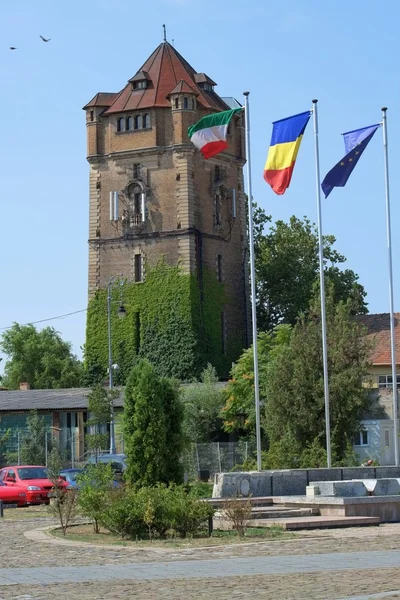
273, 512
259, 501
315, 522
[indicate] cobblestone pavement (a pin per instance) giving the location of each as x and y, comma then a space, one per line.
177, 576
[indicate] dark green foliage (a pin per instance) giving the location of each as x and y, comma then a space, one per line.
41, 358
95, 483
154, 511
287, 267
167, 323
152, 428
294, 409
202, 402
238, 413
99, 407
33, 442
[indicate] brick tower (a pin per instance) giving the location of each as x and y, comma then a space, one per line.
153, 196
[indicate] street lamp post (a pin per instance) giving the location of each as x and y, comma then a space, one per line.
121, 314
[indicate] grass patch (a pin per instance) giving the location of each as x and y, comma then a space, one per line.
84, 533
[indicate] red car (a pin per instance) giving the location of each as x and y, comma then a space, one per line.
32, 479
12, 495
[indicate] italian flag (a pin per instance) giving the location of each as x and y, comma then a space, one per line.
209, 134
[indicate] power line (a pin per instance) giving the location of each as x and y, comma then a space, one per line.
49, 319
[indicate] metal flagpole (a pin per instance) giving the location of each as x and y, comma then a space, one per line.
389, 243
322, 286
253, 282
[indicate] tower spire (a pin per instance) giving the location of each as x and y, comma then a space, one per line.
165, 33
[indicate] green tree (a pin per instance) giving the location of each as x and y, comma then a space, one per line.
152, 427
40, 358
287, 271
202, 402
33, 443
95, 483
294, 385
99, 407
238, 412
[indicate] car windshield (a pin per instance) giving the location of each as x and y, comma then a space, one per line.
32, 473
71, 476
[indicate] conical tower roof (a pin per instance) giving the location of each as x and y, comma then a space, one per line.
163, 70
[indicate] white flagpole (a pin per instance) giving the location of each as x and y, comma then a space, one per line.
322, 287
389, 243
253, 282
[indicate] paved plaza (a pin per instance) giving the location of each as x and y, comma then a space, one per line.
355, 563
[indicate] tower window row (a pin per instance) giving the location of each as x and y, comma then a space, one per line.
133, 122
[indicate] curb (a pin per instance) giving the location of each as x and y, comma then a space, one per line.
43, 534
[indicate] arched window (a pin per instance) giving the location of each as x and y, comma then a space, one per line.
120, 124
137, 122
128, 123
146, 121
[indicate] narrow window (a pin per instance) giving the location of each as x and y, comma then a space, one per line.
137, 202
176, 103
136, 171
364, 438
129, 123
219, 267
387, 438
120, 124
137, 331
146, 121
223, 332
92, 115
218, 209
138, 267
137, 122
185, 103
217, 173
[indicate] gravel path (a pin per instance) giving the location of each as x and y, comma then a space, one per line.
16, 551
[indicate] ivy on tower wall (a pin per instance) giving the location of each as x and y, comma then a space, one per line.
171, 320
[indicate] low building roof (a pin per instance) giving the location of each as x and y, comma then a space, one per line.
378, 330
68, 399
54, 400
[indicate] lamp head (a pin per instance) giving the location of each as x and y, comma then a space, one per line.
121, 312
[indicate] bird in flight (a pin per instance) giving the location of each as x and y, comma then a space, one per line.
13, 48
44, 39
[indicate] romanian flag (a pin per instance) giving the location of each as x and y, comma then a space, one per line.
285, 143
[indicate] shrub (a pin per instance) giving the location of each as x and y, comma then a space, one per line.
188, 513
133, 513
122, 514
95, 484
238, 512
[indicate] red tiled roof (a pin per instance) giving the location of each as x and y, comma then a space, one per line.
165, 68
102, 99
183, 88
378, 327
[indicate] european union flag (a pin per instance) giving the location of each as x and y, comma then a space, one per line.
355, 143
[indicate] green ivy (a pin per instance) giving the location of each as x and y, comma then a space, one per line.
172, 321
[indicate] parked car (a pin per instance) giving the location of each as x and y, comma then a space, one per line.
118, 461
12, 494
33, 480
70, 477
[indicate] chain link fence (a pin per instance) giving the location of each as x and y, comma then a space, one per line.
205, 460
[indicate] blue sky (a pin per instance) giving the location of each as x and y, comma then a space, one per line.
286, 54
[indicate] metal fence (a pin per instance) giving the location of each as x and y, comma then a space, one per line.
217, 457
